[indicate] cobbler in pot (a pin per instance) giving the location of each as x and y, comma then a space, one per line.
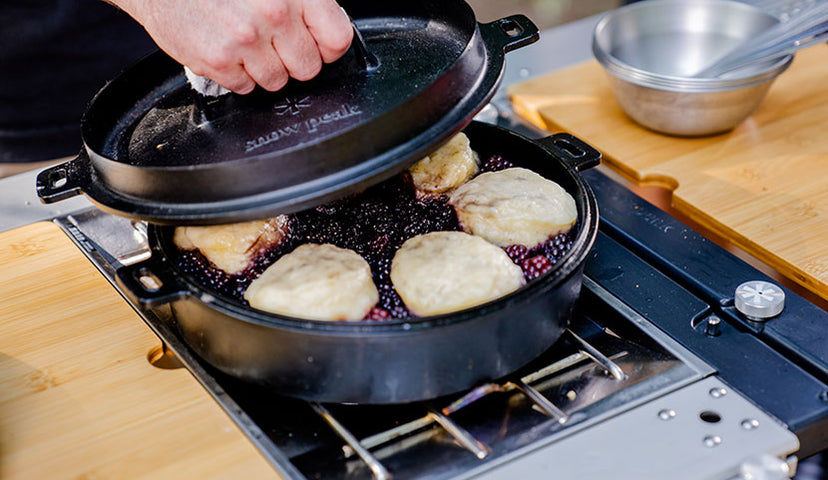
517, 214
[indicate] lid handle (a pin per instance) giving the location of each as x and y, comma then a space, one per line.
367, 60
513, 32
572, 150
60, 181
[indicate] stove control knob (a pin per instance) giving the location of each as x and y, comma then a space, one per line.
759, 301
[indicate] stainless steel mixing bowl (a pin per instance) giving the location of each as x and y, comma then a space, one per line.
652, 49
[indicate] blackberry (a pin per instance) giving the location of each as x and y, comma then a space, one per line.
556, 247
298, 228
351, 237
378, 313
381, 269
400, 311
197, 265
390, 300
517, 253
370, 208
388, 295
239, 286
384, 222
417, 226
496, 163
440, 214
319, 236
404, 207
536, 266
378, 247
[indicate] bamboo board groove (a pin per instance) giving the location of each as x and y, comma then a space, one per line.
762, 186
78, 398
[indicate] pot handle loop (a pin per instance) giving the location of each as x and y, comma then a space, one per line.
572, 150
513, 32
61, 181
149, 283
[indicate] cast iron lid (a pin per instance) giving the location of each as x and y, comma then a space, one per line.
156, 150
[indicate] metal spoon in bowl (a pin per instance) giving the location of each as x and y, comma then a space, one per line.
810, 26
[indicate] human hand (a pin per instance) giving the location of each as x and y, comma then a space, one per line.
242, 43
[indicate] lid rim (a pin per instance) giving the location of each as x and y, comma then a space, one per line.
155, 184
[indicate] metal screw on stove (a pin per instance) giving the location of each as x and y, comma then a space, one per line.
718, 392
667, 414
711, 441
750, 424
759, 300
713, 329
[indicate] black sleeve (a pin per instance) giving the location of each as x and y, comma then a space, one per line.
54, 56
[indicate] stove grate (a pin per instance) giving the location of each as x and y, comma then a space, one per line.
362, 447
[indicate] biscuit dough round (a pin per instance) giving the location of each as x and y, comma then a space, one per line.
442, 272
447, 168
515, 206
317, 282
231, 247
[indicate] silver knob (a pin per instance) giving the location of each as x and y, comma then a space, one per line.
759, 300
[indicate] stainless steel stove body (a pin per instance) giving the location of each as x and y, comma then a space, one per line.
658, 377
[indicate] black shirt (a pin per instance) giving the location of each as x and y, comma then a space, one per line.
54, 56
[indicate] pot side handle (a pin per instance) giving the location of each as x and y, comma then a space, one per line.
572, 150
511, 32
149, 283
62, 181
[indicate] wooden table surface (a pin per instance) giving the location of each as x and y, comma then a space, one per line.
763, 186
78, 397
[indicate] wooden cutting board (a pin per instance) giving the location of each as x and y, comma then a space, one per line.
78, 397
763, 186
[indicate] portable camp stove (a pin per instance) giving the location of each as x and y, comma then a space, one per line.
665, 372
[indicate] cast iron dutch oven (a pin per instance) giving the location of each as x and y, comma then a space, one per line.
390, 361
156, 151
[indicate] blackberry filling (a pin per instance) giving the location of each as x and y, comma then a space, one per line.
374, 224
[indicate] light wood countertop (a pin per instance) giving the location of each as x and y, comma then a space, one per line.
78, 397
